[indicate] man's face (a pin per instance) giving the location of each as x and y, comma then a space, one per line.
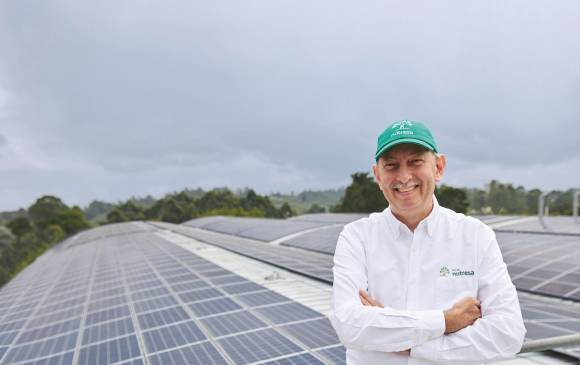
406, 174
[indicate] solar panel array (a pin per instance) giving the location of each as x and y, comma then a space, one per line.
136, 298
566, 225
329, 218
568, 312
543, 264
262, 229
311, 264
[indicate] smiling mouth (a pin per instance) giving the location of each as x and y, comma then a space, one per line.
407, 189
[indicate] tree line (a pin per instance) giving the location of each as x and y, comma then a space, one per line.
364, 196
27, 233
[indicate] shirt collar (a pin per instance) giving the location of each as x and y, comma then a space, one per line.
397, 227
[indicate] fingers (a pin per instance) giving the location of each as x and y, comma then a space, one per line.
367, 300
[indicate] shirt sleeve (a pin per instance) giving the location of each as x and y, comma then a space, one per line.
499, 334
373, 328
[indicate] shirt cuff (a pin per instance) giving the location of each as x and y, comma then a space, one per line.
434, 324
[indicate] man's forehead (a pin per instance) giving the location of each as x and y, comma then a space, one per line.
404, 149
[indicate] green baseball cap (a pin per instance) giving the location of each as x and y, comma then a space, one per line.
405, 131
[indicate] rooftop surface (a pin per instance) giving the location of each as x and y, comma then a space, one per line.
223, 290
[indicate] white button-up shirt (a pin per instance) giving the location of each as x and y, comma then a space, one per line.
416, 275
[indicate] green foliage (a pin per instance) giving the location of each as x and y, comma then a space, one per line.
45, 210
315, 208
362, 196
452, 198
97, 209
50, 222
285, 211
20, 226
116, 216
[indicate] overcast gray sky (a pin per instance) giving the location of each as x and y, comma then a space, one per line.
108, 99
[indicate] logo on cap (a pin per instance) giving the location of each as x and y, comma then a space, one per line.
404, 124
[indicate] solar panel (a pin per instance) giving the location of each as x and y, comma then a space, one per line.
289, 312
302, 359
203, 353
108, 330
40, 348
231, 323
314, 334
262, 229
261, 298
172, 336
259, 345
110, 352
336, 355
162, 317
213, 306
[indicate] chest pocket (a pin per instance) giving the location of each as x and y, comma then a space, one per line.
450, 289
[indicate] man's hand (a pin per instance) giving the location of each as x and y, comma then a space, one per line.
369, 301
463, 313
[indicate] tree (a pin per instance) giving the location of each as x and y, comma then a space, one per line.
131, 211
97, 209
20, 226
171, 212
362, 196
285, 211
72, 220
315, 208
44, 211
452, 198
116, 216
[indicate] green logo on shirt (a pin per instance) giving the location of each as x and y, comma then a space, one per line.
445, 272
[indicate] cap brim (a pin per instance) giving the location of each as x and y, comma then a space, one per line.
388, 146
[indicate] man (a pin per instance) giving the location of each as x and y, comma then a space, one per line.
419, 281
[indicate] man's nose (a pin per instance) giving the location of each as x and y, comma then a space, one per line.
404, 175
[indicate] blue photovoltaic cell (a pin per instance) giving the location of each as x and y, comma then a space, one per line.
162, 317
155, 303
201, 294
285, 313
107, 315
41, 348
108, 330
336, 355
232, 323
7, 338
110, 351
190, 285
203, 354
213, 306
48, 331
313, 334
11, 326
242, 288
262, 298
149, 293
303, 359
172, 336
62, 359
259, 345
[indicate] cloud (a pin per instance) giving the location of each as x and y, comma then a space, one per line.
119, 93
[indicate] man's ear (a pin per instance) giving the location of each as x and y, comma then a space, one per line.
376, 173
440, 163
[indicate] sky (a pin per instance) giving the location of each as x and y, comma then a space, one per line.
112, 99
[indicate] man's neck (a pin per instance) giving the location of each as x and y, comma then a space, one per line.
412, 220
